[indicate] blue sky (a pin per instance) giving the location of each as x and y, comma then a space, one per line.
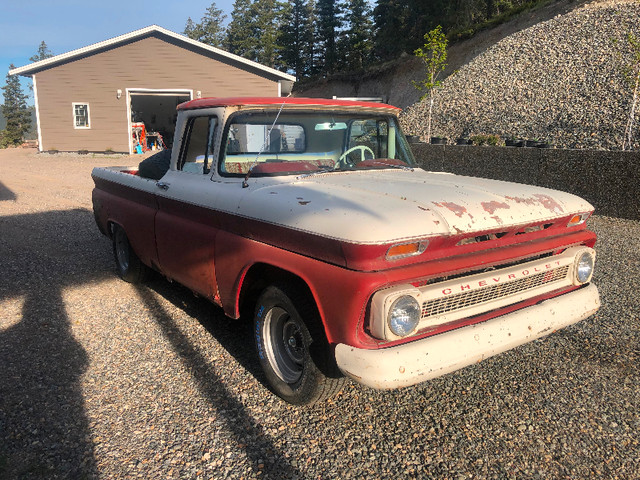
65, 25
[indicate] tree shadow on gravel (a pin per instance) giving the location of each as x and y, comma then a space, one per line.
44, 431
5, 193
233, 336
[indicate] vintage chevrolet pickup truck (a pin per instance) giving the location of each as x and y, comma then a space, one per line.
312, 215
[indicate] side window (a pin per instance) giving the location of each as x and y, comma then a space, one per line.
81, 115
197, 152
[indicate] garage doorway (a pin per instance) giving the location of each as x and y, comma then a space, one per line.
152, 117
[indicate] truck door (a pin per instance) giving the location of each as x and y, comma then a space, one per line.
186, 225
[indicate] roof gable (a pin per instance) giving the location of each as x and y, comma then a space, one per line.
135, 35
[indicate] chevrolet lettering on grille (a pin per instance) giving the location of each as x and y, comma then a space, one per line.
493, 280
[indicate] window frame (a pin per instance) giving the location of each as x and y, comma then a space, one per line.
75, 118
209, 155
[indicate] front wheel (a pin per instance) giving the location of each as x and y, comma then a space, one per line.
292, 348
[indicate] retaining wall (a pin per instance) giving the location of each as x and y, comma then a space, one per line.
609, 180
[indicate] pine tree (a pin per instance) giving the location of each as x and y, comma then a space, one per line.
240, 40
390, 23
15, 112
357, 40
328, 24
266, 14
43, 53
211, 28
296, 38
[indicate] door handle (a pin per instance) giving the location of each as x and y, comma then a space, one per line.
162, 185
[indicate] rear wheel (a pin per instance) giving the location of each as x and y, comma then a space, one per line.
292, 347
130, 267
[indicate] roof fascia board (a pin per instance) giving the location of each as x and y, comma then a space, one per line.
37, 66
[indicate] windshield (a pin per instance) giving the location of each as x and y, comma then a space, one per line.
304, 142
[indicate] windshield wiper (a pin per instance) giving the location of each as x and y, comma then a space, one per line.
393, 165
318, 172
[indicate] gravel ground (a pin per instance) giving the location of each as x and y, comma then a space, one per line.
560, 80
101, 379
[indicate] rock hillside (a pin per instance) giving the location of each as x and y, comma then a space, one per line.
559, 80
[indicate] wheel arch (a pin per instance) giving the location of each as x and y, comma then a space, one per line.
261, 275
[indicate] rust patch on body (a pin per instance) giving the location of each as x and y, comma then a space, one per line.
549, 203
491, 207
545, 200
459, 210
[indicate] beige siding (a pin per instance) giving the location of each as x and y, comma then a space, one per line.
154, 62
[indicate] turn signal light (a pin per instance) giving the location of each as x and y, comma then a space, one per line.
406, 250
578, 219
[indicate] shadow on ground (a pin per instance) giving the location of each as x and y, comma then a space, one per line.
44, 432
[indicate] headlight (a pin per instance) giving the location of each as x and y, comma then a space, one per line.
584, 267
404, 315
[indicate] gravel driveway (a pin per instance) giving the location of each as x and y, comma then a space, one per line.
102, 379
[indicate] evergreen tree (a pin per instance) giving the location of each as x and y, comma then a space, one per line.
240, 40
357, 40
192, 30
390, 27
296, 38
15, 112
328, 24
43, 53
211, 28
266, 15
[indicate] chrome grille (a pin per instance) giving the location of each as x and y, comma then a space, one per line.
458, 301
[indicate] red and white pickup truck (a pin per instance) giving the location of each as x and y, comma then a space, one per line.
313, 215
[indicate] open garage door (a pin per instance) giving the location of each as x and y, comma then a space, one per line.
152, 118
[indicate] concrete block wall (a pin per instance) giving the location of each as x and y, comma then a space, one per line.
607, 179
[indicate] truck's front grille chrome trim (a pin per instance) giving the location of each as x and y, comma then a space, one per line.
491, 293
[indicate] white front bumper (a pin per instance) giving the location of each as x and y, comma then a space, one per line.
431, 357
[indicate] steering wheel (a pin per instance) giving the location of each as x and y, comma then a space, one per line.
344, 159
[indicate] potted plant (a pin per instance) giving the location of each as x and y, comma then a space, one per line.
510, 141
463, 141
438, 140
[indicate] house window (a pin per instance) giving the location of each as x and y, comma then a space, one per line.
81, 115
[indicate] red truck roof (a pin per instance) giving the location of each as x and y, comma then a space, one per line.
250, 101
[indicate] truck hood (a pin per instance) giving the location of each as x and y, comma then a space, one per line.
394, 205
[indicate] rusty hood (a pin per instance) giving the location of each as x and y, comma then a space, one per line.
391, 205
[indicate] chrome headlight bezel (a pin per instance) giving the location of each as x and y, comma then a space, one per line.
583, 266
404, 315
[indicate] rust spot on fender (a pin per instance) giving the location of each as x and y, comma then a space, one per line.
459, 210
491, 207
549, 203
545, 200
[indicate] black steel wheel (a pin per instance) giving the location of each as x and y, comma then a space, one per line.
292, 348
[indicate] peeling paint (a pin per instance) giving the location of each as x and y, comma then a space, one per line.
491, 207
549, 203
545, 200
459, 210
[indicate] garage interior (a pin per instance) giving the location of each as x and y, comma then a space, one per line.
153, 119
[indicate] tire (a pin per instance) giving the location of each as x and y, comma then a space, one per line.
129, 266
292, 348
